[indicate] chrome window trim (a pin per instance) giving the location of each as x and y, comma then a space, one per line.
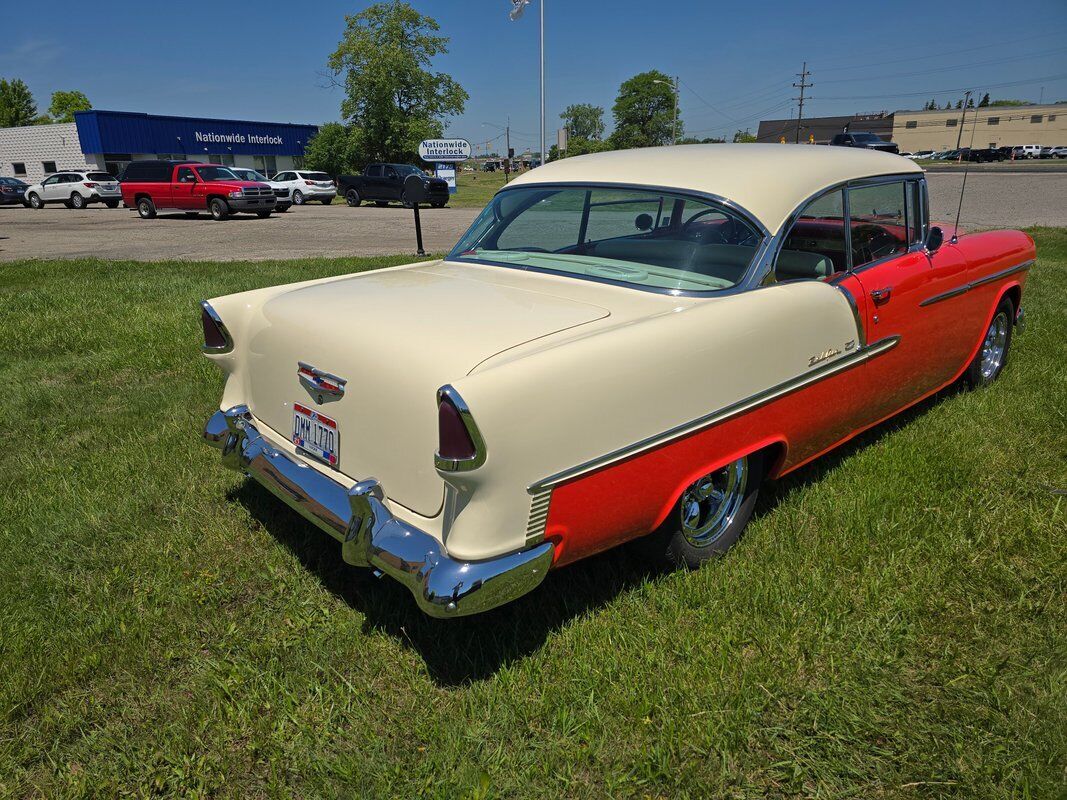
228, 346
480, 453
748, 280
826, 370
959, 290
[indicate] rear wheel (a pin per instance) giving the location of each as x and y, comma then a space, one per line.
263, 214
77, 201
36, 201
991, 357
111, 203
352, 198
326, 201
218, 208
710, 515
381, 203
146, 208
298, 198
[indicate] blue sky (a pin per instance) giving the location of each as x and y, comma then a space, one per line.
265, 60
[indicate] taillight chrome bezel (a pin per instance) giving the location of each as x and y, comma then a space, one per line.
448, 394
227, 345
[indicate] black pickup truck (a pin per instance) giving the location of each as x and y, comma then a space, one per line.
383, 183
864, 140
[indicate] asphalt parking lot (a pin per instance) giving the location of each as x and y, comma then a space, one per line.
993, 200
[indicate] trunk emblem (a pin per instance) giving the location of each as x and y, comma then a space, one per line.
322, 386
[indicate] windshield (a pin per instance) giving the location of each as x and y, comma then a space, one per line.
867, 137
216, 174
406, 169
248, 174
636, 237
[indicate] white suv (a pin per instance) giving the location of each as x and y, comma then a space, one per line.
283, 192
306, 185
76, 189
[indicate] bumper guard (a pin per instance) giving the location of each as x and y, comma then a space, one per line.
370, 535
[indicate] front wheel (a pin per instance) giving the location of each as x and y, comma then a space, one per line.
263, 214
326, 201
36, 201
218, 208
146, 209
298, 198
991, 357
710, 515
77, 201
111, 203
352, 198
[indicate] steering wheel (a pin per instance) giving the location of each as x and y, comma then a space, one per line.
720, 234
874, 241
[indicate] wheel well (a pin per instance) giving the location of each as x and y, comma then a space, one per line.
773, 459
137, 198
1015, 294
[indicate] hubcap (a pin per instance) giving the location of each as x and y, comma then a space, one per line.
996, 341
710, 504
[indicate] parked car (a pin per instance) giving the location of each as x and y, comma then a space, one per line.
13, 191
982, 155
1059, 151
1005, 152
384, 183
75, 189
282, 191
865, 140
305, 186
1027, 151
922, 154
622, 345
192, 187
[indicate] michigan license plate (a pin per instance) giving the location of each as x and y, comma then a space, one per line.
315, 434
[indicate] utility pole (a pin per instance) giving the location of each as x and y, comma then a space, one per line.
674, 125
803, 75
963, 116
507, 150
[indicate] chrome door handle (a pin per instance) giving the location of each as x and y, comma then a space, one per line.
881, 296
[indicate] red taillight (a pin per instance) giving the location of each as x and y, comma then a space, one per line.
214, 338
90, 185
454, 441
310, 183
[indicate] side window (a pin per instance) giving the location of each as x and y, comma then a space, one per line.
50, 181
391, 173
374, 171
876, 218
814, 248
185, 175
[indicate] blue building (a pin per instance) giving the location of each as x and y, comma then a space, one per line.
109, 140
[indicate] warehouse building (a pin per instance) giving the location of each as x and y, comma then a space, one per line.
990, 126
109, 140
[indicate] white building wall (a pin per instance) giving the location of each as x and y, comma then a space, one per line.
34, 144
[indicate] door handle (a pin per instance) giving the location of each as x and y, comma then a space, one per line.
881, 296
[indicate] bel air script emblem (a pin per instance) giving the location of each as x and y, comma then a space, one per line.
321, 385
818, 358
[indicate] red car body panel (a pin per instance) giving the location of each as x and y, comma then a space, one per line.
937, 341
184, 196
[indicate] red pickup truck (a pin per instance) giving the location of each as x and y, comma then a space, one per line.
192, 187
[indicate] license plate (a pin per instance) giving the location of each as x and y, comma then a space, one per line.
315, 434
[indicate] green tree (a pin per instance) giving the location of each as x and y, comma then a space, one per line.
745, 136
984, 101
392, 97
64, 104
16, 104
583, 121
644, 111
336, 149
1010, 103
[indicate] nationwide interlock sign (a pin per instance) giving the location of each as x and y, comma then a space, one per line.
434, 150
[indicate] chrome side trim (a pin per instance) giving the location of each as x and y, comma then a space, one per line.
370, 535
996, 276
228, 346
448, 392
819, 373
861, 331
535, 528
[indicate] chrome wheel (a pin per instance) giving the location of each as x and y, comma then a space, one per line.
994, 347
711, 503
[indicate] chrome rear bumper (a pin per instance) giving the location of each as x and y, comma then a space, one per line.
370, 535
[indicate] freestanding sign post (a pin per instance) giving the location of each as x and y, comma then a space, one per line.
444, 154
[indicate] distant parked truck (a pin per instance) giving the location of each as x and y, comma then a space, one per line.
865, 140
385, 182
192, 187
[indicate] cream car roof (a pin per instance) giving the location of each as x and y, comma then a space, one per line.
767, 180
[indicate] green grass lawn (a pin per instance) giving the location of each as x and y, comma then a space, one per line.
892, 625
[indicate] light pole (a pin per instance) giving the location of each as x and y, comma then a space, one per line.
544, 155
674, 123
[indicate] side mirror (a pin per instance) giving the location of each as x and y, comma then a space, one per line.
934, 239
643, 222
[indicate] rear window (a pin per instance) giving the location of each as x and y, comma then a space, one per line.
147, 172
99, 176
316, 176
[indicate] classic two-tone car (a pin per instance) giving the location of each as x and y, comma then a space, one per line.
622, 345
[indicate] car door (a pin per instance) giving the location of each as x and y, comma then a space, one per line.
391, 183
52, 188
889, 261
183, 191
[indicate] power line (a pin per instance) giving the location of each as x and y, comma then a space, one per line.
705, 102
949, 69
1027, 82
851, 59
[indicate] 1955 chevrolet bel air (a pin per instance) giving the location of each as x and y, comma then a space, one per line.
622, 345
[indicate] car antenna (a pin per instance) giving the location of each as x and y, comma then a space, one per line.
970, 149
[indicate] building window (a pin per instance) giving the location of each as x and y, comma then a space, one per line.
227, 159
951, 123
1035, 119
298, 162
19, 168
993, 121
48, 167
911, 123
